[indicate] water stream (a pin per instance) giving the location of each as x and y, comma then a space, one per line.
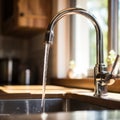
47, 49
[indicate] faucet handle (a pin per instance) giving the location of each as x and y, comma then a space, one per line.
110, 77
109, 80
116, 66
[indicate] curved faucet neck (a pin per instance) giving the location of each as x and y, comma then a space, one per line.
99, 69
99, 36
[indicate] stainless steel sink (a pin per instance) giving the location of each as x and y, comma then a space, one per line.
33, 106
21, 106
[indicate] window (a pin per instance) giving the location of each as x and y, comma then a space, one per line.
84, 35
110, 10
81, 51
113, 6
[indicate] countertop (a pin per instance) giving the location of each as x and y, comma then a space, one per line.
111, 101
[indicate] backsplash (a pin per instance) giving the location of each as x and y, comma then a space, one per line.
13, 47
36, 55
29, 51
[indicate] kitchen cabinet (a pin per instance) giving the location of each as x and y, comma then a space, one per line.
22, 17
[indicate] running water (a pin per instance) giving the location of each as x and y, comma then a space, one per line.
47, 49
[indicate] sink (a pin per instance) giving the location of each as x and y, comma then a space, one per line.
75, 105
22, 106
32, 106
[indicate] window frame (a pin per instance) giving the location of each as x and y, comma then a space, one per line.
113, 43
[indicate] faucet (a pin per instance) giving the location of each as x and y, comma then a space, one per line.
101, 76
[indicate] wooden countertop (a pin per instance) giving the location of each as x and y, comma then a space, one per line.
111, 101
85, 83
30, 92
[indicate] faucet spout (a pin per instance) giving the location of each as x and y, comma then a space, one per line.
99, 69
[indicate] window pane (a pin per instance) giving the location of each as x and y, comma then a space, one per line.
85, 36
99, 9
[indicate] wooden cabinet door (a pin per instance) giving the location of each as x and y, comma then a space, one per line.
28, 16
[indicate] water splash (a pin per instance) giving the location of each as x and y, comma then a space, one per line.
44, 116
47, 49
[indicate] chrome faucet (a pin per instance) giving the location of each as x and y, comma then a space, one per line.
101, 76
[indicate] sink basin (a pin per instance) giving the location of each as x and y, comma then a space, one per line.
22, 106
32, 106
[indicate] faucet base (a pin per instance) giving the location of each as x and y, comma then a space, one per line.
100, 91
